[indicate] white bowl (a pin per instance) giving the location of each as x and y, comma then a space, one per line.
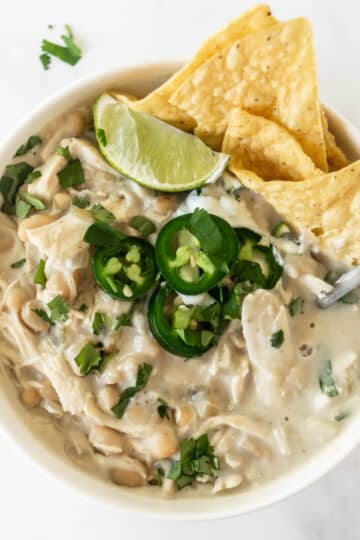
16, 422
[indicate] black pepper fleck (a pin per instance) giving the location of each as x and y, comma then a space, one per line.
305, 350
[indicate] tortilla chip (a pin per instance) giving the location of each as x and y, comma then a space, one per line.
119, 96
335, 156
208, 135
157, 102
257, 144
271, 73
328, 205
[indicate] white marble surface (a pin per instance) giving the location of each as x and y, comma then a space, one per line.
119, 32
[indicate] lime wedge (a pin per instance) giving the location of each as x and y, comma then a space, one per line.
151, 152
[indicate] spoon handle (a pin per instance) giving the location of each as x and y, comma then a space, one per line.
344, 284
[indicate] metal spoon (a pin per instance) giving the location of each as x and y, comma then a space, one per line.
344, 284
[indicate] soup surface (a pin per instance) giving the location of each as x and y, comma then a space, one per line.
271, 384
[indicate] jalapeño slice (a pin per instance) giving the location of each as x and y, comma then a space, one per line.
184, 330
194, 253
126, 270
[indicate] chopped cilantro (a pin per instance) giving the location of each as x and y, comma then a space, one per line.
125, 319
64, 152
205, 229
32, 141
296, 306
72, 174
102, 235
43, 315
40, 277
101, 322
326, 380
341, 416
83, 308
13, 177
277, 339
32, 176
18, 264
143, 225
80, 202
101, 214
89, 359
143, 374
70, 53
45, 59
197, 458
59, 309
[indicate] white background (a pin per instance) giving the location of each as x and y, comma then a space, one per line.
117, 33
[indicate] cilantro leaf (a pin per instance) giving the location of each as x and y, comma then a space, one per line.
45, 59
32, 176
43, 315
40, 277
296, 306
143, 225
341, 416
102, 235
125, 319
203, 226
101, 322
326, 380
277, 339
70, 54
80, 202
59, 309
83, 308
197, 458
18, 264
32, 141
101, 214
64, 152
89, 359
72, 174
143, 374
13, 177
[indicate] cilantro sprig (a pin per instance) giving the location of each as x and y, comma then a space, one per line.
32, 141
197, 458
70, 52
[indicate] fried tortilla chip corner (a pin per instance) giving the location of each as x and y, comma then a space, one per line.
271, 73
264, 147
157, 102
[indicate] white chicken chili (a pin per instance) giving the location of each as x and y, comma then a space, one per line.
173, 339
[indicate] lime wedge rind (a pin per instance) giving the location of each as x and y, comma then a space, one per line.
150, 152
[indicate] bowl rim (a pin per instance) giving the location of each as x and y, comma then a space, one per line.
18, 432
